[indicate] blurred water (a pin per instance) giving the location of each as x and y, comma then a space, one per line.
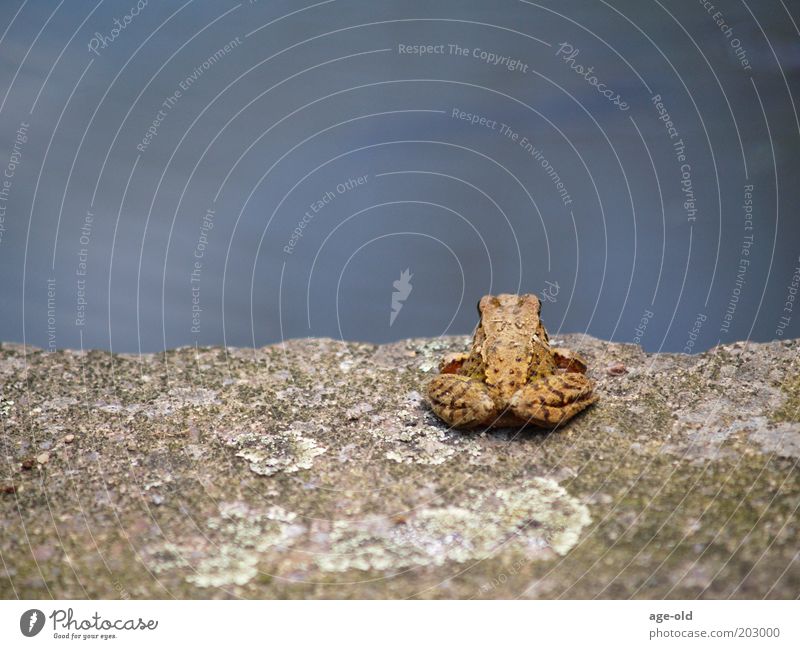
299, 160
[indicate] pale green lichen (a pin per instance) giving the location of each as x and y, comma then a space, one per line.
182, 397
168, 556
532, 517
699, 440
410, 440
270, 453
230, 567
428, 450
164, 405
781, 439
432, 448
237, 538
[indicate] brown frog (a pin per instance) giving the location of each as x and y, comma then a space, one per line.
511, 376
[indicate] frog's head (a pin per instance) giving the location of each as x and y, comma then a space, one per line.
514, 308
511, 319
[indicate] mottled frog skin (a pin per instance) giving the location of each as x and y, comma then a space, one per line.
511, 376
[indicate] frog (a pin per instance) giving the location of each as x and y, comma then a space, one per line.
511, 376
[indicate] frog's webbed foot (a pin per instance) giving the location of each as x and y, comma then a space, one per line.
553, 400
568, 360
460, 401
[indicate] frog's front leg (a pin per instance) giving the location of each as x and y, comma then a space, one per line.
451, 363
460, 401
553, 400
568, 360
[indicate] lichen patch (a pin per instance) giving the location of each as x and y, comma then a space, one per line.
537, 517
234, 543
408, 439
269, 453
781, 439
712, 439
182, 397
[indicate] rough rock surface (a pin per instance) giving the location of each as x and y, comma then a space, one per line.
314, 469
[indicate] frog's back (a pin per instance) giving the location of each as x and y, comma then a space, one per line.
509, 323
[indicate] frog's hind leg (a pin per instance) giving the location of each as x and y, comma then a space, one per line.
553, 400
460, 401
568, 360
